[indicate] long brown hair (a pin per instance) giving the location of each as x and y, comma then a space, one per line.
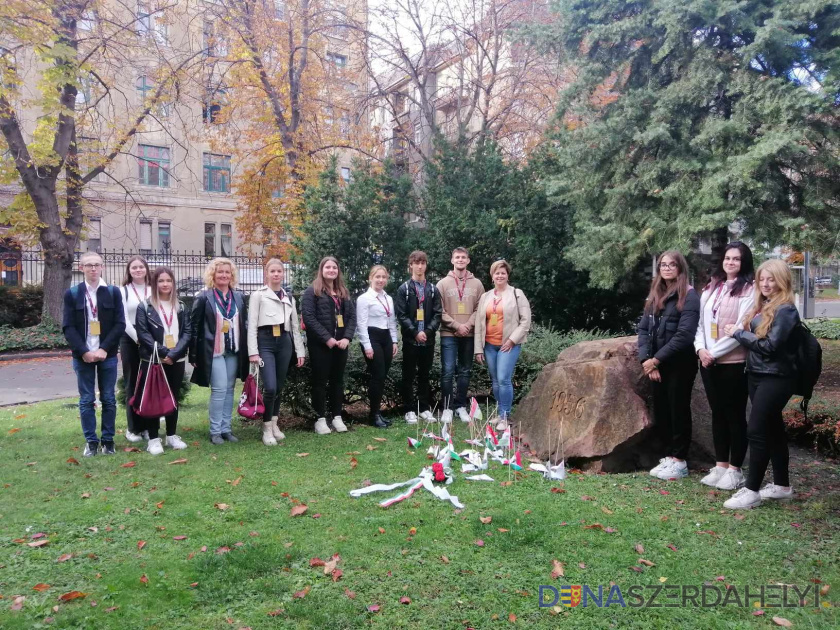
319, 284
768, 307
659, 289
127, 279
156, 274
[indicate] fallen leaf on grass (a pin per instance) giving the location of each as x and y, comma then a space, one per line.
502, 530
144, 579
301, 594
412, 531
178, 461
647, 563
381, 530
381, 439
486, 519
298, 510
371, 447
38, 543
73, 460
64, 557
374, 608
479, 543
17, 603
194, 584
506, 483
353, 462
639, 549
41, 587
512, 618
302, 454
557, 569
586, 497
179, 538
663, 492
276, 613
221, 506
203, 548
671, 547
636, 569
781, 621
349, 593
606, 510
444, 559
222, 550
236, 481
131, 449
141, 544
558, 491
405, 600
824, 590
594, 526
582, 565
13, 431
67, 597
111, 609
336, 575
129, 465
758, 613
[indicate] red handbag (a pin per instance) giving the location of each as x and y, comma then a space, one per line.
152, 396
251, 404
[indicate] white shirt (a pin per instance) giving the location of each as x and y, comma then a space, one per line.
174, 330
703, 336
371, 313
130, 304
92, 340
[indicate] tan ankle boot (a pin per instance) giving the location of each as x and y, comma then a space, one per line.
268, 436
275, 430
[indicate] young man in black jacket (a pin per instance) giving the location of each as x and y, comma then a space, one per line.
93, 323
418, 308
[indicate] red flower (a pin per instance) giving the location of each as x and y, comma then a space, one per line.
437, 469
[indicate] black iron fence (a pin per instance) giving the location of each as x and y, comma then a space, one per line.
25, 267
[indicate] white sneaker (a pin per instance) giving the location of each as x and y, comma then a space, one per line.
428, 416
145, 435
731, 480
673, 470
411, 418
275, 430
463, 414
446, 416
744, 499
132, 437
321, 427
502, 424
772, 491
654, 472
338, 425
268, 435
714, 476
155, 447
175, 442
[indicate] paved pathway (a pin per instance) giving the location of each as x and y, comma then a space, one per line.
34, 380
827, 309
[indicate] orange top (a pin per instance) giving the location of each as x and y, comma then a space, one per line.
493, 334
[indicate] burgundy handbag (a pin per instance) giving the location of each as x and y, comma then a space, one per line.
251, 404
152, 396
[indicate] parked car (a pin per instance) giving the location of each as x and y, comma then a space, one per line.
190, 287
825, 281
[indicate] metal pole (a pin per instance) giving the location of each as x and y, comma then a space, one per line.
807, 292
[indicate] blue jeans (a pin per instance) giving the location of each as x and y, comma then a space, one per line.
501, 365
222, 382
87, 375
455, 351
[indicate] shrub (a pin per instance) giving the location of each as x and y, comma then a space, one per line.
821, 430
43, 336
824, 328
20, 307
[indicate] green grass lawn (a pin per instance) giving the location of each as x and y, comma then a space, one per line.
248, 566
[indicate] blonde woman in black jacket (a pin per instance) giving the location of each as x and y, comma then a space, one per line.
769, 334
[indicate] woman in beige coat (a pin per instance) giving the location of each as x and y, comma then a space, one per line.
503, 319
273, 334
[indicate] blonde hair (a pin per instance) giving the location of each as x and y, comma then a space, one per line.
89, 255
376, 268
780, 272
500, 263
210, 272
269, 264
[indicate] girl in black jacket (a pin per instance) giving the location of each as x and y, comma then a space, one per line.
329, 316
666, 350
163, 320
769, 333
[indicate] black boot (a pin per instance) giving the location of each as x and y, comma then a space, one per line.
379, 422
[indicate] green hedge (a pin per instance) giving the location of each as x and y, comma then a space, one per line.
44, 336
20, 307
825, 328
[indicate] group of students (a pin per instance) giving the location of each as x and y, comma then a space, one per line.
743, 339
224, 335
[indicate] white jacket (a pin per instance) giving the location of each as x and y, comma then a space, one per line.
266, 309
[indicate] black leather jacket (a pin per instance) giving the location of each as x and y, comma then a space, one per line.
774, 354
150, 329
669, 334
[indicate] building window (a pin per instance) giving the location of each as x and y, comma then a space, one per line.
345, 173
88, 21
94, 236
339, 61
226, 239
151, 24
213, 105
153, 165
164, 236
214, 44
84, 91
144, 18
90, 156
145, 236
418, 133
144, 86
280, 9
216, 172
210, 240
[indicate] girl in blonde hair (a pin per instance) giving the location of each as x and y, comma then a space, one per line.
769, 334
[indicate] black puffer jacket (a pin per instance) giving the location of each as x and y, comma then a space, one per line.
774, 354
669, 334
319, 317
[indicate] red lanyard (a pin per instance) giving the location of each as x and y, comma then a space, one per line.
93, 308
716, 303
421, 296
337, 303
168, 320
461, 289
220, 302
133, 288
384, 305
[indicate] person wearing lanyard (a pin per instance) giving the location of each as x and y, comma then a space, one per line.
136, 288
330, 319
376, 327
218, 350
273, 330
726, 300
459, 293
419, 311
93, 321
502, 326
163, 320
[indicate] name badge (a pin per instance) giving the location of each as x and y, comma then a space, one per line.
339, 319
462, 308
714, 330
494, 319
95, 328
226, 326
276, 330
169, 341
421, 314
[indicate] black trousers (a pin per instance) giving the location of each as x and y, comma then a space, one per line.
417, 363
672, 403
378, 366
327, 374
766, 428
276, 354
174, 375
130, 357
726, 390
